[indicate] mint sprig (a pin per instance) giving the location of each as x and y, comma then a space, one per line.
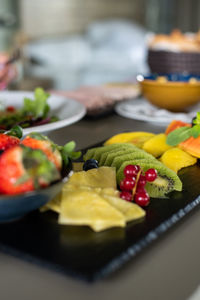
196, 120
178, 135
15, 131
67, 152
183, 133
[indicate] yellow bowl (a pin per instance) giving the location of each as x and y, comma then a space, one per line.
171, 95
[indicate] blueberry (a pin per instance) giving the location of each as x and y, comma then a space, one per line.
90, 164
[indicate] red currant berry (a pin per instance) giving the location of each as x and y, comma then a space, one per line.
140, 189
151, 175
142, 198
131, 170
126, 196
127, 184
142, 181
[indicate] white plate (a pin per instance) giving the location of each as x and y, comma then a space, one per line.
141, 109
67, 110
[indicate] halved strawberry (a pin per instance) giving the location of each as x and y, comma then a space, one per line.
38, 141
55, 153
23, 169
10, 138
8, 141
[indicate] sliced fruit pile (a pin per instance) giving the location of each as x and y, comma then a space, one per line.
177, 148
32, 163
121, 155
90, 198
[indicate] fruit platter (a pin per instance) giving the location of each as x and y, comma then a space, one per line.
119, 197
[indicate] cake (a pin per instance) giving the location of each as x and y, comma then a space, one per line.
174, 53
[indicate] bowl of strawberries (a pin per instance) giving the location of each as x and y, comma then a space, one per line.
32, 171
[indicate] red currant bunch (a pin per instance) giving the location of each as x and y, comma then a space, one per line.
133, 185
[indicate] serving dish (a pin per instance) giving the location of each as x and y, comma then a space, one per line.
84, 254
67, 110
17, 206
140, 109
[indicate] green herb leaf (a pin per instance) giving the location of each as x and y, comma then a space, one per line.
195, 131
178, 135
69, 147
37, 107
75, 155
196, 120
67, 152
15, 131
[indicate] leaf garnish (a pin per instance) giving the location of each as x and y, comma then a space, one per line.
178, 135
67, 152
37, 107
195, 131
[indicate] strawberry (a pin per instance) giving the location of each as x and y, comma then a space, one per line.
23, 169
38, 141
8, 141
56, 154
10, 138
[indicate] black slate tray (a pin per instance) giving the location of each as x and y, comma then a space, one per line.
84, 254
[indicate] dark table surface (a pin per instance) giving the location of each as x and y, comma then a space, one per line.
169, 269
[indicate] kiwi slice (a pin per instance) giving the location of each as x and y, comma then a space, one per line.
97, 153
166, 181
105, 155
112, 155
90, 153
123, 149
117, 161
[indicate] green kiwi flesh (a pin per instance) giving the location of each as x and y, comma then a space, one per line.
166, 181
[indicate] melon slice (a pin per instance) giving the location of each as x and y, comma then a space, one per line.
129, 137
156, 145
176, 159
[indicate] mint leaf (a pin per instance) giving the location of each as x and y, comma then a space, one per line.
15, 131
75, 155
67, 152
69, 147
195, 131
178, 135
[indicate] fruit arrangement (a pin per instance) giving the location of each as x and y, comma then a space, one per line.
134, 166
32, 163
178, 147
121, 155
91, 198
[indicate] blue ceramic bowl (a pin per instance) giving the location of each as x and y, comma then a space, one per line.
13, 207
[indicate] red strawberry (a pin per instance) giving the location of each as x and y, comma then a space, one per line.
38, 141
10, 138
23, 169
8, 141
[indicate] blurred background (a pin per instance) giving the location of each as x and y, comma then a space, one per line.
69, 43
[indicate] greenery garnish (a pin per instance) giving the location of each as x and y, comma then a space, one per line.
67, 152
33, 112
37, 107
183, 133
